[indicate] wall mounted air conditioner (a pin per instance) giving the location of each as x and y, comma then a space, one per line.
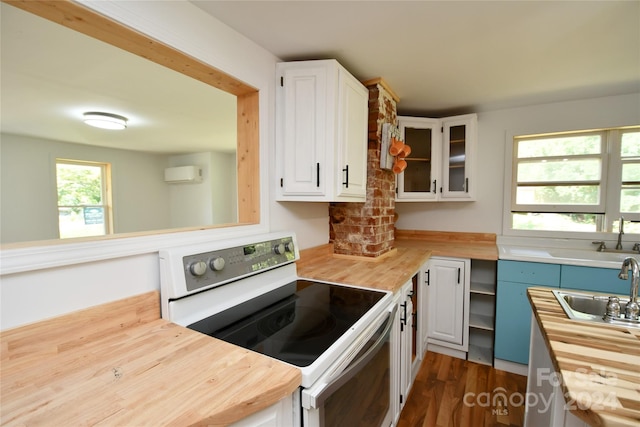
183, 174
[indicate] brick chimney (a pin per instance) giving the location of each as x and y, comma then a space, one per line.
367, 229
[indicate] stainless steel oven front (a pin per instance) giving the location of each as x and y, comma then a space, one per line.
356, 391
246, 291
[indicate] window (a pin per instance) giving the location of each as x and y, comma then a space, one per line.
577, 182
84, 207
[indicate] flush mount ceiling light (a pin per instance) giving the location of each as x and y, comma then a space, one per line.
105, 120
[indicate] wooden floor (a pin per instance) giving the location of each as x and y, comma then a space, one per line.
451, 392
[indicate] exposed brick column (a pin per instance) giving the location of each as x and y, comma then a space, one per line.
367, 229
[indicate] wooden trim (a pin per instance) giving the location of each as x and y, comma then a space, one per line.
380, 81
447, 236
79, 18
248, 159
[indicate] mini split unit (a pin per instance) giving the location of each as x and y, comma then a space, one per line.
182, 175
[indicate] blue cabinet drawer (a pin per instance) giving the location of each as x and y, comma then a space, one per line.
593, 279
513, 322
533, 273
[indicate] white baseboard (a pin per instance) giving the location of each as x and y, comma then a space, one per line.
514, 368
446, 350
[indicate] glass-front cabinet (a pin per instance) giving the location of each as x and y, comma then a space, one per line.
441, 166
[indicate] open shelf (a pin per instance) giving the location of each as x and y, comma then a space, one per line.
481, 321
481, 355
483, 288
482, 308
480, 346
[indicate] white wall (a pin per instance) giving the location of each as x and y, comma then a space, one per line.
28, 197
485, 215
210, 201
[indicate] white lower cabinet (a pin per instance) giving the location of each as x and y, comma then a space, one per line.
406, 355
545, 403
280, 414
448, 304
407, 350
422, 318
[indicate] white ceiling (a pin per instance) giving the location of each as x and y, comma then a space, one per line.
51, 75
439, 57
444, 57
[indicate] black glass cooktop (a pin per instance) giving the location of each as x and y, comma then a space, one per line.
296, 323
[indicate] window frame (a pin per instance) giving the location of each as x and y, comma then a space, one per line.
616, 145
561, 208
106, 190
610, 187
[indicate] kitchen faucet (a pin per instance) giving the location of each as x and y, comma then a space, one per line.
633, 308
619, 245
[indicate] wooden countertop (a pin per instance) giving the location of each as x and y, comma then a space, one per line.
595, 361
480, 246
391, 271
119, 364
388, 272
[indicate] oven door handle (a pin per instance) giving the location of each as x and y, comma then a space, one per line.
316, 399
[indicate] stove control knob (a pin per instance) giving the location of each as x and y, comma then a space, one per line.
288, 247
217, 263
279, 248
198, 268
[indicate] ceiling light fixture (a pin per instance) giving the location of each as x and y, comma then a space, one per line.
105, 120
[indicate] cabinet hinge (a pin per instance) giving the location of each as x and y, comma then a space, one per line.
396, 190
401, 398
281, 81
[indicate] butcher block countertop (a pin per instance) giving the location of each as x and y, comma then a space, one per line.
392, 270
118, 364
597, 363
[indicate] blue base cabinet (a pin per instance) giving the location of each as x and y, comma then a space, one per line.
594, 279
513, 311
513, 322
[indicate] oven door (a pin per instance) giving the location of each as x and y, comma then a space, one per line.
357, 390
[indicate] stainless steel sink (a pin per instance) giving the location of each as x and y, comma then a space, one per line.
592, 307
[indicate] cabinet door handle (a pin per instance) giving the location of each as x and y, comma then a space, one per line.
403, 316
317, 174
346, 182
466, 185
427, 279
434, 186
459, 275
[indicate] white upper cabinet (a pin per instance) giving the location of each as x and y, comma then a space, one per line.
441, 166
321, 132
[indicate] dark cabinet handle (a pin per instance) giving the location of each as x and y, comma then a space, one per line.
458, 276
403, 316
434, 186
466, 185
346, 182
317, 174
427, 278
